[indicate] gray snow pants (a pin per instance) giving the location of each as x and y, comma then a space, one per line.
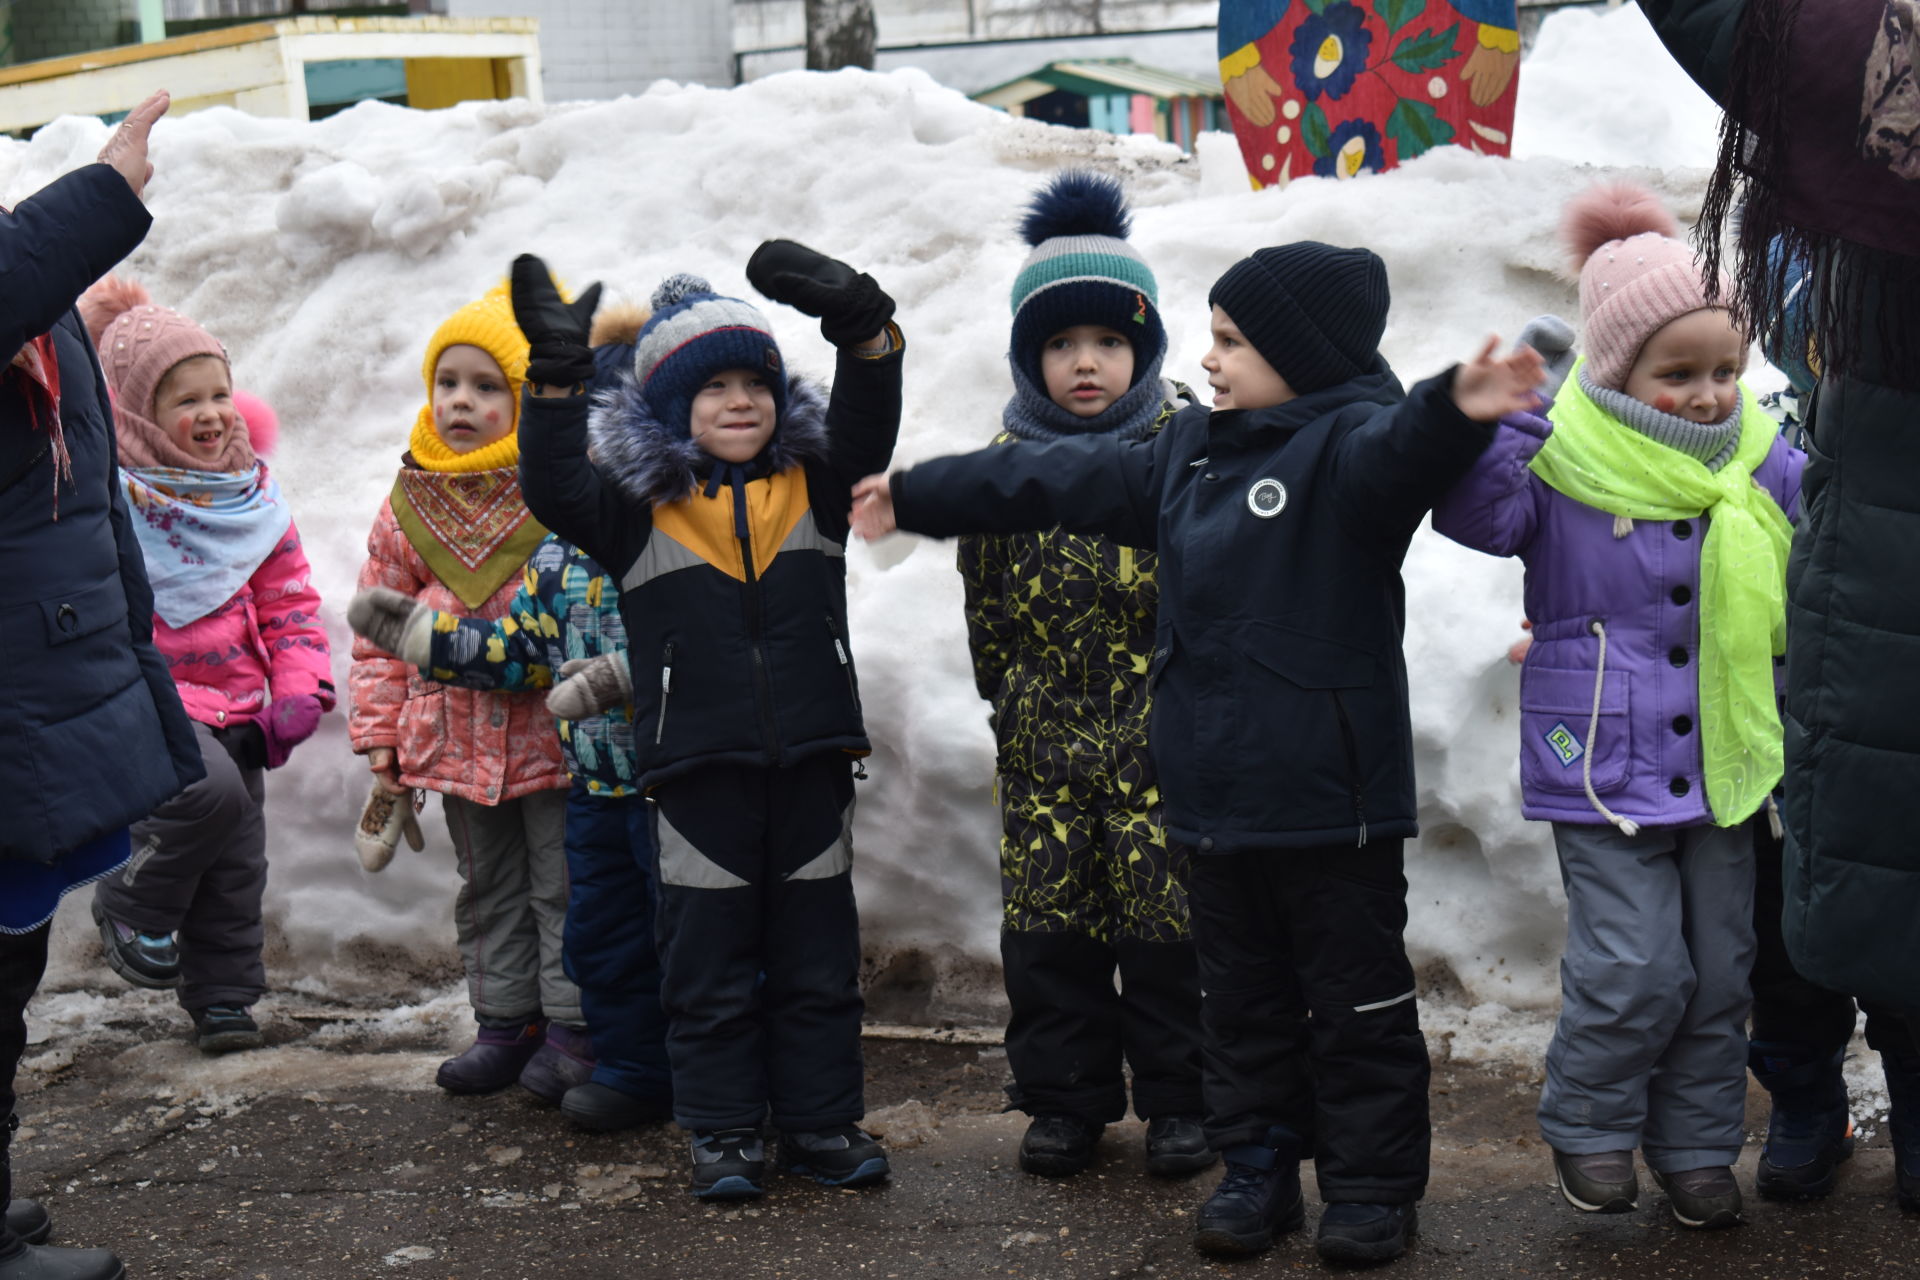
198, 871
1651, 1048
512, 907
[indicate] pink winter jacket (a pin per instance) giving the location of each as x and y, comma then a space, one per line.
479, 746
264, 643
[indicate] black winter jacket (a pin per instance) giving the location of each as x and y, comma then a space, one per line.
1279, 688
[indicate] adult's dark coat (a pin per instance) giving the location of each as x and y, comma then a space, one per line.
1279, 688
1852, 870
94, 738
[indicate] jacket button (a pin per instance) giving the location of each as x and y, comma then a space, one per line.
1683, 529
1679, 786
1682, 595
1677, 656
1211, 475
68, 618
1206, 844
221, 716
1683, 725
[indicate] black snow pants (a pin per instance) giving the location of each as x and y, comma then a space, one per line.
23, 959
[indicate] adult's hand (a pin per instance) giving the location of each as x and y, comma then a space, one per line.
126, 150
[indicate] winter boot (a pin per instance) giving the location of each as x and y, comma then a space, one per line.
1257, 1199
1809, 1133
843, 1156
1702, 1198
1597, 1182
225, 1028
605, 1109
564, 1062
1177, 1146
1360, 1235
144, 959
1903, 1122
43, 1262
729, 1164
1059, 1146
28, 1220
494, 1060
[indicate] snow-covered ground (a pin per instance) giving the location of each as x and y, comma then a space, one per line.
325, 254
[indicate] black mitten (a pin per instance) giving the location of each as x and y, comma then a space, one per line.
556, 330
851, 307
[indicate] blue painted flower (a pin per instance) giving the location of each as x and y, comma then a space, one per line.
1353, 145
1329, 50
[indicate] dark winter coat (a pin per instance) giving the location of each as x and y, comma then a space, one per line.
1852, 871
1279, 688
736, 619
95, 738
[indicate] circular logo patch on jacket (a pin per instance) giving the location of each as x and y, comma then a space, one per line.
1267, 498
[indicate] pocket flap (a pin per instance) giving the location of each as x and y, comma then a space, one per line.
84, 612
1557, 691
1307, 660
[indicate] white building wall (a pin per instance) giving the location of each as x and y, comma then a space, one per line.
604, 48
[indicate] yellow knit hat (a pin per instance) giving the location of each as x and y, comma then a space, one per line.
489, 325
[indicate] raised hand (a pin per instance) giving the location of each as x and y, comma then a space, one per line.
852, 309
873, 508
556, 329
1488, 387
126, 149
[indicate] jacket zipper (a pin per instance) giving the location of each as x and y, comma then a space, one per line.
762, 684
1353, 766
846, 663
666, 687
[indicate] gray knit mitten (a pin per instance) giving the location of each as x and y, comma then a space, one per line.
1552, 337
591, 686
393, 621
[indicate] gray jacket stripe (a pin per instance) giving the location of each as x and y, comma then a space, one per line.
806, 536
836, 859
682, 864
663, 555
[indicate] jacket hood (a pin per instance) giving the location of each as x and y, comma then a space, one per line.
650, 462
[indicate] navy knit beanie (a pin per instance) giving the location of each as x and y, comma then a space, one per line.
693, 334
1083, 271
1314, 311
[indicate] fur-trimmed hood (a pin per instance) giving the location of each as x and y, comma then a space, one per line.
650, 462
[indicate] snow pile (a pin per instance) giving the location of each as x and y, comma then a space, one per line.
325, 254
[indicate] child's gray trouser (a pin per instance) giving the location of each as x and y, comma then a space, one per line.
512, 906
1651, 1049
198, 871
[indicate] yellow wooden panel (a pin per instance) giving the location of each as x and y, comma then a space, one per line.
433, 83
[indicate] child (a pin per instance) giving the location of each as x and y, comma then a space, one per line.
718, 497
1088, 879
1649, 514
455, 536
236, 617
1280, 724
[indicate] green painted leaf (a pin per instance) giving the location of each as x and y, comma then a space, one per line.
1398, 13
1313, 129
1416, 128
1431, 48
1318, 6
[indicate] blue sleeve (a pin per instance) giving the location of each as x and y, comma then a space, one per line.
59, 241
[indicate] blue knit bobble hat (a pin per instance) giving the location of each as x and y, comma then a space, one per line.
693, 334
1083, 271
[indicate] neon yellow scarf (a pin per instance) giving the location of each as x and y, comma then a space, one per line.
1594, 458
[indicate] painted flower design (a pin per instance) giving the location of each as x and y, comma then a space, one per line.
1353, 145
1329, 50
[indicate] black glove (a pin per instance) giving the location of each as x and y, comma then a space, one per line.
851, 307
556, 330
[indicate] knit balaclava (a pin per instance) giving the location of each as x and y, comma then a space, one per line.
1314, 311
140, 343
489, 325
1083, 271
1636, 275
693, 334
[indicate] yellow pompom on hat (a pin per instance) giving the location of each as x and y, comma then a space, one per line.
489, 325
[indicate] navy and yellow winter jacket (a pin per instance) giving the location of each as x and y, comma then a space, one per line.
567, 607
734, 593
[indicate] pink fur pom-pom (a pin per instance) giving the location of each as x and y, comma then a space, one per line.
107, 299
263, 424
1612, 211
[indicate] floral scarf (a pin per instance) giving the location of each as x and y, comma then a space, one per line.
203, 533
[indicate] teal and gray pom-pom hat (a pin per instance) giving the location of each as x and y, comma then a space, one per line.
1083, 271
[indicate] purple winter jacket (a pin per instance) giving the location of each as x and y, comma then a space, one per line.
1643, 588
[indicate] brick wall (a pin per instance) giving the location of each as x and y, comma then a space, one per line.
604, 48
50, 28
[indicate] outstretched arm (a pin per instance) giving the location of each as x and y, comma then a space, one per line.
1700, 34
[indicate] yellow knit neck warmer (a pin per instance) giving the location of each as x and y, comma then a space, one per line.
431, 452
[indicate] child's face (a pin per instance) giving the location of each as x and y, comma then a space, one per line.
194, 405
1691, 367
472, 405
1086, 368
1240, 376
733, 415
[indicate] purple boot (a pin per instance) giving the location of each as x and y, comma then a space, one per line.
565, 1060
494, 1060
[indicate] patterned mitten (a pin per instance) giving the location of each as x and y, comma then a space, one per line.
591, 686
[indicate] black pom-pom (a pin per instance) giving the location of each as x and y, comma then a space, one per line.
678, 288
1077, 203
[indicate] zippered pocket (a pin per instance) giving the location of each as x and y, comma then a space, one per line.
666, 688
1352, 747
846, 662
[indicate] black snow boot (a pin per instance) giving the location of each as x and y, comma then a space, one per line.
1810, 1132
1361, 1235
1058, 1146
1258, 1199
1903, 1121
29, 1220
1177, 1146
44, 1262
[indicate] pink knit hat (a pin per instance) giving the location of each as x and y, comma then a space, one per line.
139, 343
1636, 275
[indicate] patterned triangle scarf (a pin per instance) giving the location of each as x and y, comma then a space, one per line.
471, 527
37, 365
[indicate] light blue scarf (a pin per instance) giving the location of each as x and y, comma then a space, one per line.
203, 533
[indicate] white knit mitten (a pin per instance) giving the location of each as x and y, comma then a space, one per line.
386, 818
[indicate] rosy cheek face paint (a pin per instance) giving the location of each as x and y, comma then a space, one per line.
493, 417
1663, 402
184, 425
439, 411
